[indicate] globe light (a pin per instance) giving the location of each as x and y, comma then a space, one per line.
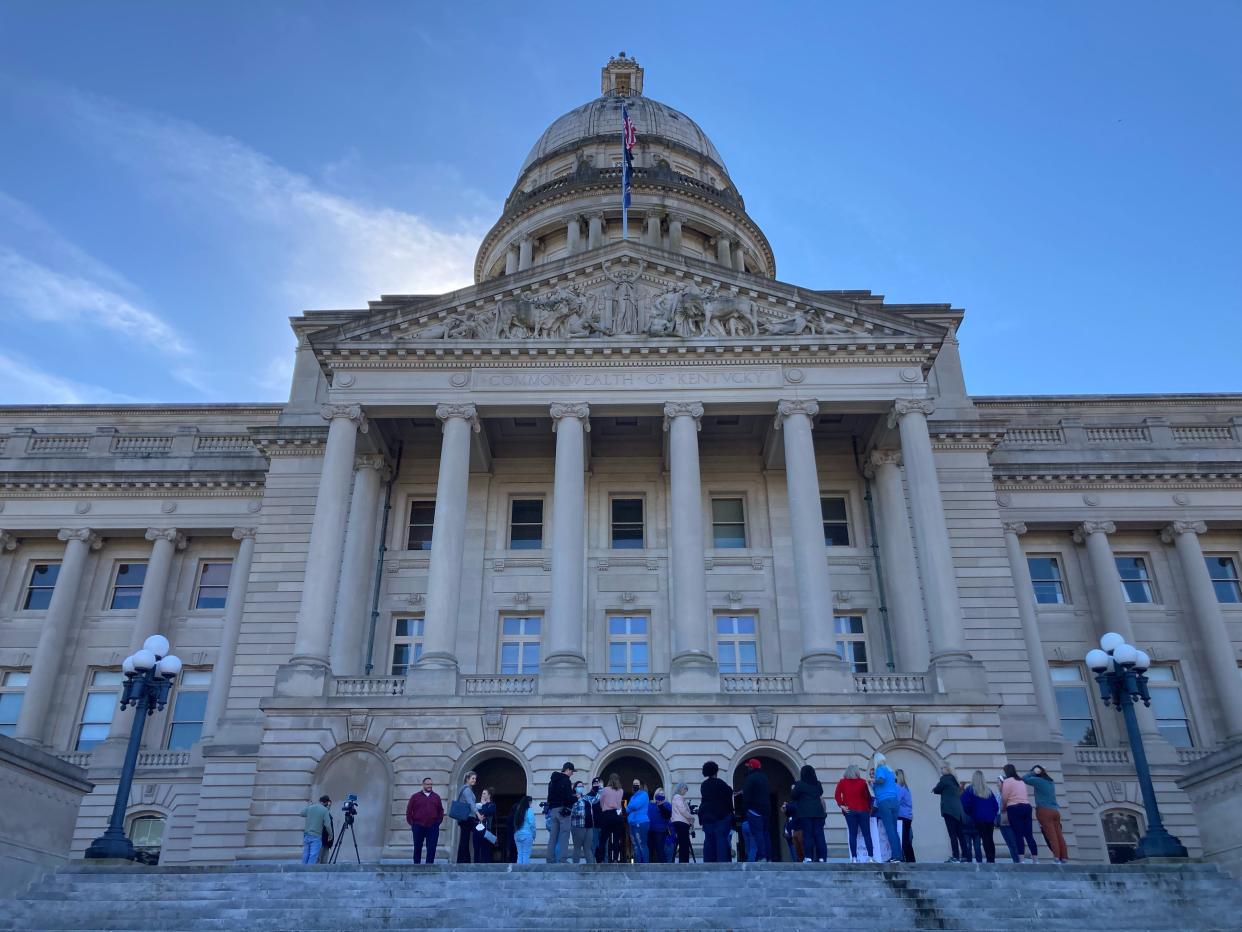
127, 666
1143, 663
1097, 660
1126, 655
143, 660
1111, 641
156, 644
169, 666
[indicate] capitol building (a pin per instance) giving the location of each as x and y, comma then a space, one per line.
634, 503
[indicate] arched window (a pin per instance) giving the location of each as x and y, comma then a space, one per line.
147, 834
1122, 830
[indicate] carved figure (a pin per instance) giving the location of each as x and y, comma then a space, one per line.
720, 315
625, 308
659, 325
516, 317
803, 322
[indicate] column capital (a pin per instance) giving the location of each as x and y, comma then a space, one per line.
788, 407
676, 217
245, 533
372, 461
692, 409
877, 458
1087, 528
1014, 527
575, 409
93, 540
330, 412
166, 533
7, 541
1175, 530
464, 410
904, 406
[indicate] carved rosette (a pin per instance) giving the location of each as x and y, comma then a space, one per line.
330, 412
170, 534
580, 410
904, 406
1014, 527
245, 533
1178, 528
789, 407
692, 409
464, 410
1087, 528
93, 540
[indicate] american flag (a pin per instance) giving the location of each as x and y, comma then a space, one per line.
628, 137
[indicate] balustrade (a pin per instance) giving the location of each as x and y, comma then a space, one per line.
757, 683
370, 686
1102, 756
629, 683
890, 683
501, 685
138, 443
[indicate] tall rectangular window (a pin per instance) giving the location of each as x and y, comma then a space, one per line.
836, 521
526, 524
627, 524
1170, 709
737, 644
1224, 574
212, 589
628, 647
418, 530
1047, 580
12, 688
1135, 580
127, 585
519, 644
39, 590
728, 523
407, 645
102, 699
189, 708
852, 641
1074, 706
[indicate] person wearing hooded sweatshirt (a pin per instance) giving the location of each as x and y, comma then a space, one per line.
807, 796
637, 809
950, 793
887, 801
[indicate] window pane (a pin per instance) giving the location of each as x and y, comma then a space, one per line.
106, 678
131, 574
528, 511
833, 509
16, 678
531, 625
37, 600
526, 537
422, 519
727, 662
510, 626
42, 581
1065, 674
99, 707
727, 510
616, 658
1177, 734
748, 657
147, 833
10, 705
1079, 732
724, 624
638, 657
530, 658
638, 625
422, 512
190, 706
1072, 702
195, 678
91, 735
616, 625
419, 537
627, 511
848, 624
182, 735
836, 535
403, 628
627, 537
508, 658
216, 574
44, 574
745, 624
400, 659
1167, 703
212, 597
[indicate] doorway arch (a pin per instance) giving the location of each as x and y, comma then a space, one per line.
363, 770
631, 763
781, 779
500, 770
922, 771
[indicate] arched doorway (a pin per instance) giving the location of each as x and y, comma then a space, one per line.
780, 782
361, 770
631, 766
931, 843
506, 780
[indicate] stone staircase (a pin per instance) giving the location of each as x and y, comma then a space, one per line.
788, 897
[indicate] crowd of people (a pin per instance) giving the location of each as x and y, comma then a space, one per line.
599, 823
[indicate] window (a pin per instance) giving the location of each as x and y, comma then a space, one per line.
39, 589
1047, 580
728, 523
737, 649
407, 645
627, 644
1135, 580
1122, 831
852, 641
189, 707
102, 698
627, 524
1170, 711
422, 518
836, 521
127, 585
147, 835
12, 687
519, 643
212, 590
1224, 574
526, 524
1074, 706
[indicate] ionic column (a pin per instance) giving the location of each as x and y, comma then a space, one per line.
32, 720
693, 667
1024, 590
564, 664
739, 259
448, 542
653, 229
573, 235
222, 672
357, 568
526, 252
327, 536
724, 251
511, 260
905, 611
674, 232
931, 533
595, 231
1215, 645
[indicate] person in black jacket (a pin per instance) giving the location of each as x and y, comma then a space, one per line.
807, 796
560, 808
715, 814
756, 794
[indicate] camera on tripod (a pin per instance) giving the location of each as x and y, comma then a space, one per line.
349, 806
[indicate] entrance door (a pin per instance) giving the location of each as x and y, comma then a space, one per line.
507, 781
781, 781
630, 767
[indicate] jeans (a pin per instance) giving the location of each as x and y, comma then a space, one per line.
430, 835
760, 846
524, 841
655, 845
581, 854
1050, 824
597, 854
638, 840
1010, 842
310, 848
559, 835
887, 809
716, 841
1020, 822
953, 826
610, 836
463, 841
972, 844
814, 846
684, 850
984, 834
856, 822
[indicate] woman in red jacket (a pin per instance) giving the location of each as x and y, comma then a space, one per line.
854, 798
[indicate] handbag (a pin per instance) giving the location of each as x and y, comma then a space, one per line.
461, 811
489, 837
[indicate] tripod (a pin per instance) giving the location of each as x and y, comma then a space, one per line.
336, 848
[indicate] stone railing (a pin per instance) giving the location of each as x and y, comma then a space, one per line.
57, 444
1034, 436
1188, 755
223, 443
629, 683
1102, 755
137, 443
163, 758
1121, 435
911, 683
370, 686
757, 682
1117, 435
1204, 433
77, 758
501, 685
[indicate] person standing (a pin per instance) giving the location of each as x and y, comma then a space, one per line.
807, 796
560, 808
466, 825
905, 817
315, 819
591, 814
639, 820
424, 813
982, 807
950, 793
681, 820
715, 814
659, 812
757, 795
1047, 813
884, 788
524, 828
1016, 804
483, 848
581, 853
854, 799
611, 803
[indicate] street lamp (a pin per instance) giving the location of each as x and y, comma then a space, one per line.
149, 674
1121, 671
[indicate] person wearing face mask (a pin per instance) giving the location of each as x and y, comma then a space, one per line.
639, 821
612, 823
486, 815
658, 814
578, 830
594, 816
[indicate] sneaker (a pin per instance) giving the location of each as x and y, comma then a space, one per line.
1028, 860
952, 861
894, 860
806, 860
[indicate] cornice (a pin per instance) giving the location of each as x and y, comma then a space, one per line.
289, 441
154, 410
141, 485
1195, 401
1023, 478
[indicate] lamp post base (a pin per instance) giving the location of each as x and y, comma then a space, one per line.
1158, 843
111, 846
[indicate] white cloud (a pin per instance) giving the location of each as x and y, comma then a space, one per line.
27, 384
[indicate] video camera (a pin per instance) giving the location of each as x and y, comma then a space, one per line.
349, 806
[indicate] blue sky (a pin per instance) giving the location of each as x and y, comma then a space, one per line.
177, 179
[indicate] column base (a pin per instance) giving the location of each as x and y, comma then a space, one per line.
825, 673
956, 672
1160, 846
302, 677
694, 672
433, 675
563, 675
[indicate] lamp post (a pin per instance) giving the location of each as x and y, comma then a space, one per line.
1121, 671
149, 674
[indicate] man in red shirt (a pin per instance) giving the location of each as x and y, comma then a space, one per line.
424, 812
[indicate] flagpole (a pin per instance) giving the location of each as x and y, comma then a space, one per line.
625, 208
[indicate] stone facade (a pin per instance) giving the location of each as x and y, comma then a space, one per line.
428, 570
